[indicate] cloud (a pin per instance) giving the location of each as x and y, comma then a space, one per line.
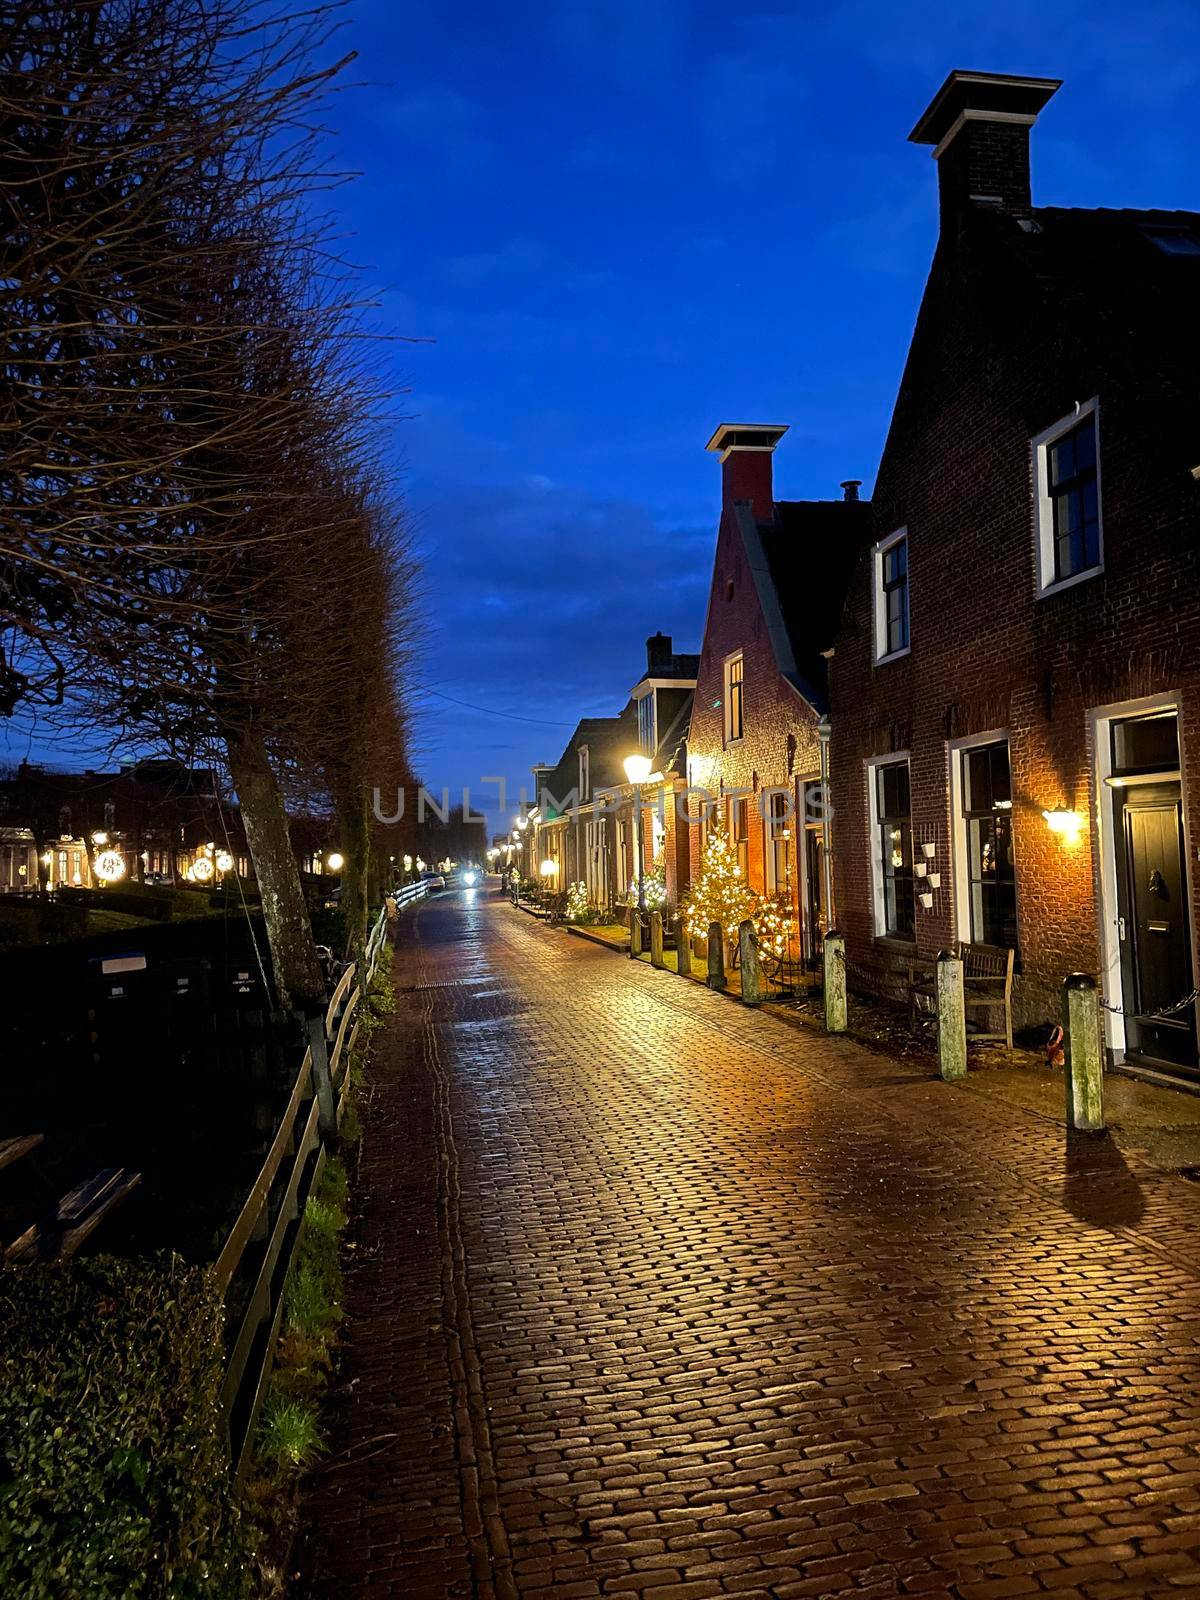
542, 599
438, 119
517, 257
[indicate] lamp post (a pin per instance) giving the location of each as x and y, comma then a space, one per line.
637, 770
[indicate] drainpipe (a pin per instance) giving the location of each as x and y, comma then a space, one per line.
823, 732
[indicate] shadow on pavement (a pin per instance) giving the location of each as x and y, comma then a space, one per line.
1098, 1186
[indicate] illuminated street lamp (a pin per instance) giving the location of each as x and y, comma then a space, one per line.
335, 861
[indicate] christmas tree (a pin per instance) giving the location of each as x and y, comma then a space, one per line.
720, 892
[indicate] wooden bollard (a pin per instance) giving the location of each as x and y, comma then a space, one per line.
1084, 1058
753, 988
656, 940
716, 956
951, 1017
835, 983
635, 932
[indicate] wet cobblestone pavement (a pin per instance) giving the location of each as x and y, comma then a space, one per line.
656, 1297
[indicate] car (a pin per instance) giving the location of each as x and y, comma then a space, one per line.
433, 881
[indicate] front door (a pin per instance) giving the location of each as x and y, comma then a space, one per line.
1155, 928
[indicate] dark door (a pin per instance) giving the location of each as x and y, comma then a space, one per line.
1156, 938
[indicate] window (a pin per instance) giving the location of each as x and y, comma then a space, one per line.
891, 596
991, 883
779, 841
1067, 479
892, 807
585, 792
1145, 745
646, 737
734, 703
739, 831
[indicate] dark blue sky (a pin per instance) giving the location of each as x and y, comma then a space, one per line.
619, 224
622, 224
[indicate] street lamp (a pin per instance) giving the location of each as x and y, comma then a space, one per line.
637, 770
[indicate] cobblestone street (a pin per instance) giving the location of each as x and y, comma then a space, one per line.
654, 1296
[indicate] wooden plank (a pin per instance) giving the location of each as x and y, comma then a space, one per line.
336, 1056
243, 1229
339, 994
86, 1207
13, 1149
261, 1299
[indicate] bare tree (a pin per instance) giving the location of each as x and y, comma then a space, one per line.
179, 392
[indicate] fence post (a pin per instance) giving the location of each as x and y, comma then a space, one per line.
751, 967
835, 983
716, 956
951, 1017
1085, 1063
322, 1082
635, 932
656, 940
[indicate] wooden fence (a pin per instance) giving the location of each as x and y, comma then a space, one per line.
253, 1265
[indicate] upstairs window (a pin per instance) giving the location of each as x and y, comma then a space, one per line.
891, 596
1067, 481
735, 711
646, 723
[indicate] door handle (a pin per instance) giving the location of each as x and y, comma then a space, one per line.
1121, 929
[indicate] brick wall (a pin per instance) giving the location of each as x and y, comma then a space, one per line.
992, 363
779, 744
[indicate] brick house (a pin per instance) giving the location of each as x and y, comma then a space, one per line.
585, 803
780, 572
1016, 682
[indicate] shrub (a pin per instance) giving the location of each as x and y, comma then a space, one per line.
114, 1479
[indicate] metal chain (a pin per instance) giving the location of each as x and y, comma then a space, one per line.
1163, 1011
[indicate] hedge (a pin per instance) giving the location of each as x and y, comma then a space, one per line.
113, 1475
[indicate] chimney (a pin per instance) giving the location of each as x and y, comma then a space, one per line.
850, 488
978, 124
658, 651
745, 449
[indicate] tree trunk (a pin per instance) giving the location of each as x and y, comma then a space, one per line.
298, 976
350, 805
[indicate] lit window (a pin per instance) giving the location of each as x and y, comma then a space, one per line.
735, 714
1067, 484
891, 596
779, 843
893, 865
987, 836
739, 831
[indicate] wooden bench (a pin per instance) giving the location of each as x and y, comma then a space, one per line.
13, 1149
75, 1218
987, 986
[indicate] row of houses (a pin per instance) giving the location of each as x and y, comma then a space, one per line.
968, 710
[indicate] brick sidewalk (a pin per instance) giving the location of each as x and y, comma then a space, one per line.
656, 1297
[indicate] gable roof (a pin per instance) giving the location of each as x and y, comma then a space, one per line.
801, 563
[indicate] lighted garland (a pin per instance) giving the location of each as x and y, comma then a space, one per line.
579, 906
720, 892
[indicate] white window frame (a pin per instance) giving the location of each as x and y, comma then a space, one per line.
730, 736
1043, 511
585, 775
882, 653
652, 746
878, 913
959, 844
